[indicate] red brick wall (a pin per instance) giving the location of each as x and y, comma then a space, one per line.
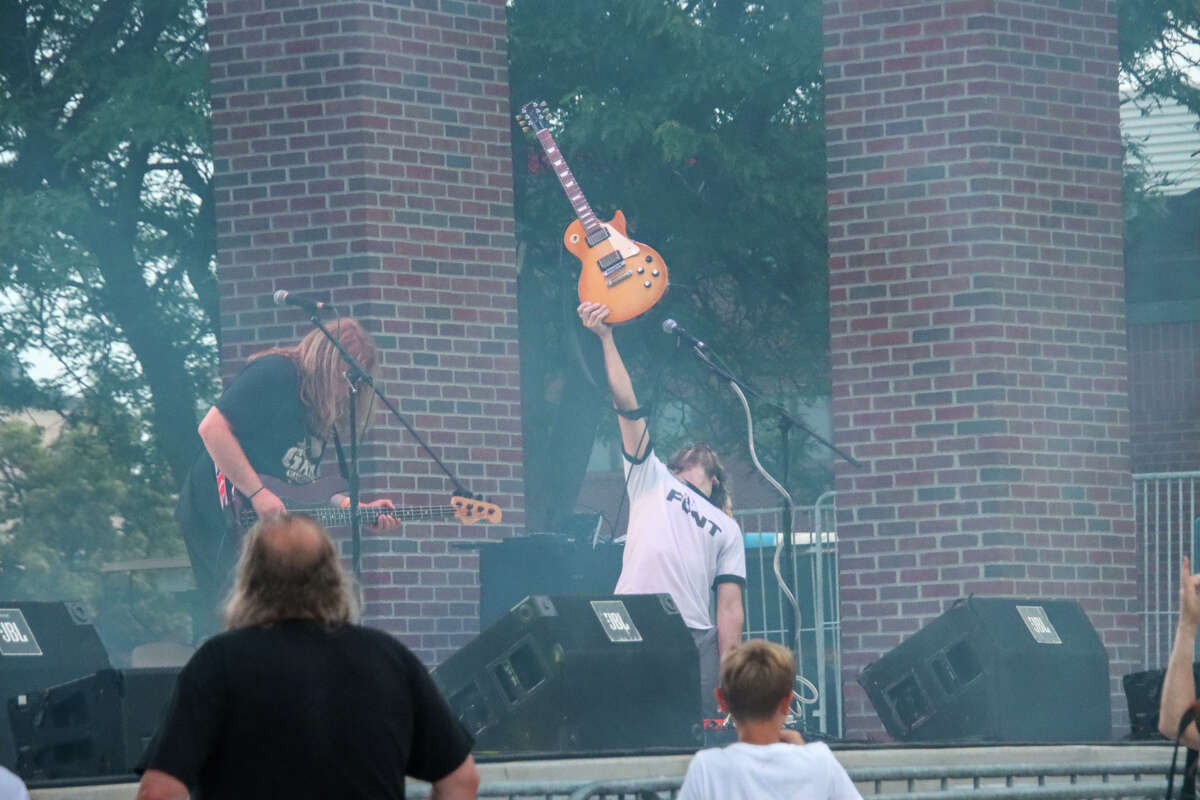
362, 152
978, 334
1164, 396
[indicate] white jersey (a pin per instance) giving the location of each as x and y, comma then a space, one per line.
779, 771
678, 542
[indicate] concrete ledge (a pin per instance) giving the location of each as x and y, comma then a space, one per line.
584, 770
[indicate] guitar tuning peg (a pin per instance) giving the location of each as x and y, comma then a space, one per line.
544, 105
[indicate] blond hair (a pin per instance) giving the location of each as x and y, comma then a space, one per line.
323, 388
702, 453
289, 569
756, 676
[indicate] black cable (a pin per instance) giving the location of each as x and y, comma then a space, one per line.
1184, 721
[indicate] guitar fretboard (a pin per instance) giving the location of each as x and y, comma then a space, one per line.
327, 515
596, 232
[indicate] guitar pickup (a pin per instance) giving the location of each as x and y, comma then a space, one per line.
611, 282
597, 236
607, 262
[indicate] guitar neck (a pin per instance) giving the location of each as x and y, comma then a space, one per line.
596, 232
332, 516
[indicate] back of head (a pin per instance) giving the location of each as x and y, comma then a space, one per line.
289, 569
756, 676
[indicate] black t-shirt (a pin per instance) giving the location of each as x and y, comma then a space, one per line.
265, 413
297, 710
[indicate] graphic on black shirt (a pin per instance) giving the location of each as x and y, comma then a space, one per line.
298, 468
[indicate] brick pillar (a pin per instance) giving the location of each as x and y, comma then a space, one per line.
977, 313
362, 152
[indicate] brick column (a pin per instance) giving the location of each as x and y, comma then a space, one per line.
362, 152
977, 313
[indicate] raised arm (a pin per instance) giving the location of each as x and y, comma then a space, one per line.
634, 437
1179, 687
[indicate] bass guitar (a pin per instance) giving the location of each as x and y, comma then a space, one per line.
627, 276
313, 499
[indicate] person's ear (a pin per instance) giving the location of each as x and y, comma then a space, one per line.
722, 706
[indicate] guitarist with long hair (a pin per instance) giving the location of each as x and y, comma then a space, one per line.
275, 419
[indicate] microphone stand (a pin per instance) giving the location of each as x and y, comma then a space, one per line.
788, 420
356, 375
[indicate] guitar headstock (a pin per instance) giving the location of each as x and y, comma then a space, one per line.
534, 117
468, 510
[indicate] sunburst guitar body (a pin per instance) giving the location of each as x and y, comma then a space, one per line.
627, 276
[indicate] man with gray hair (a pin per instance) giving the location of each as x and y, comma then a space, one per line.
293, 700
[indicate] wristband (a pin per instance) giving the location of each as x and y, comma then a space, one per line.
633, 413
255, 492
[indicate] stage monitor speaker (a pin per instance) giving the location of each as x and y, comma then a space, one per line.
42, 644
93, 726
1143, 694
996, 669
597, 673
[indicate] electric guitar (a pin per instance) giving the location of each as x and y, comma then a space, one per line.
313, 499
627, 276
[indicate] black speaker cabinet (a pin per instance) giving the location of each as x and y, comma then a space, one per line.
996, 669
578, 674
96, 725
1143, 694
42, 644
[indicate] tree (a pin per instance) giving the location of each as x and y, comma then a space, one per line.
702, 121
1159, 42
71, 501
106, 262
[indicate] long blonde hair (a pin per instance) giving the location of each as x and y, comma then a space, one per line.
323, 372
280, 576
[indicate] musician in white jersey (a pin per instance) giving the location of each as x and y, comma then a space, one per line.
681, 538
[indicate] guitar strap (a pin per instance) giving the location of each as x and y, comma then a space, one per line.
223, 488
343, 467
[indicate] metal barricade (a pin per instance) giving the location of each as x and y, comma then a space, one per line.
1043, 781
1166, 513
1132, 780
812, 571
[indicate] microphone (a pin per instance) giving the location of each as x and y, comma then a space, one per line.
285, 298
671, 326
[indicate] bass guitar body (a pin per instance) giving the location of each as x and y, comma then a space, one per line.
627, 276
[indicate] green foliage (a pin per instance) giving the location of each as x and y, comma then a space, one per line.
107, 266
702, 121
1159, 42
70, 502
106, 262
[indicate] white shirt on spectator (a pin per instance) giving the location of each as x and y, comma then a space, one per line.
12, 787
778, 771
